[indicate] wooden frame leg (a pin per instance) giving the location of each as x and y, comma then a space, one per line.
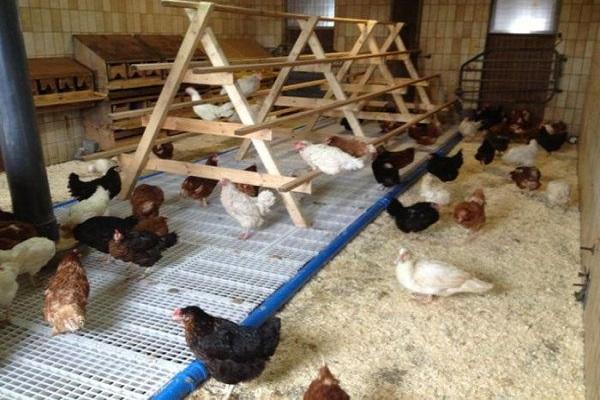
217, 58
270, 100
366, 30
186, 52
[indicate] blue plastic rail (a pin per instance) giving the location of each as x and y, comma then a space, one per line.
195, 374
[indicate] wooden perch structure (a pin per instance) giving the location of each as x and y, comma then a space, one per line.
348, 92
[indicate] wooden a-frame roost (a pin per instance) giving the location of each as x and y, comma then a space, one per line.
347, 95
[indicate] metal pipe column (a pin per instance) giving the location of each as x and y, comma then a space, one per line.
19, 138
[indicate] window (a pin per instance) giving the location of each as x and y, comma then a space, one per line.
524, 16
325, 8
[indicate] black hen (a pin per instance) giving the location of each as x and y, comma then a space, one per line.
344, 122
413, 218
81, 190
388, 163
231, 353
142, 248
551, 142
489, 116
499, 137
485, 153
445, 168
97, 232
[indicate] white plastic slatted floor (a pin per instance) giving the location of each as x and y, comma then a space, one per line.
130, 347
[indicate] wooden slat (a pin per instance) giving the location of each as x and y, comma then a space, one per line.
317, 61
216, 173
184, 56
216, 128
67, 98
218, 78
261, 13
334, 105
209, 100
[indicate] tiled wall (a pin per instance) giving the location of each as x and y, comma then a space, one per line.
346, 34
579, 24
452, 31
48, 26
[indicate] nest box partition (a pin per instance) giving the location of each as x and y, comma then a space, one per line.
346, 96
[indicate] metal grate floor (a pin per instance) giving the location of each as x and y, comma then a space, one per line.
130, 347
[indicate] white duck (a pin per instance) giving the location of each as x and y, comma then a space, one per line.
522, 156
433, 191
209, 112
426, 279
328, 159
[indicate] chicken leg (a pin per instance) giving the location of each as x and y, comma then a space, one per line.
229, 392
423, 298
245, 235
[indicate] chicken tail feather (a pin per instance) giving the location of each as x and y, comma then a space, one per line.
476, 286
265, 200
394, 208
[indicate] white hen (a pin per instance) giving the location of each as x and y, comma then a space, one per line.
433, 191
30, 256
426, 278
328, 159
248, 84
247, 211
101, 165
95, 206
522, 156
209, 112
469, 128
254, 109
558, 193
8, 287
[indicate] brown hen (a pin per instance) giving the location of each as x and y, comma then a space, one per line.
353, 147
471, 213
250, 190
424, 135
156, 225
67, 295
14, 232
164, 150
200, 188
325, 387
146, 201
527, 177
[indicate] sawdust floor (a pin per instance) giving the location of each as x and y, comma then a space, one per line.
524, 340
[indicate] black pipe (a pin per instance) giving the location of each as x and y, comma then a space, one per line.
19, 137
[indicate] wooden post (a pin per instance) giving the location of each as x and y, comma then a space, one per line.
217, 58
184, 56
269, 101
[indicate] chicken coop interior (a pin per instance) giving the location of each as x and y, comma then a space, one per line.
286, 199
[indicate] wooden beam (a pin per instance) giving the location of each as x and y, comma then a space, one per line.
216, 173
185, 54
210, 100
299, 181
261, 13
317, 61
217, 128
382, 139
233, 61
218, 59
279, 83
334, 105
218, 78
131, 147
309, 102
